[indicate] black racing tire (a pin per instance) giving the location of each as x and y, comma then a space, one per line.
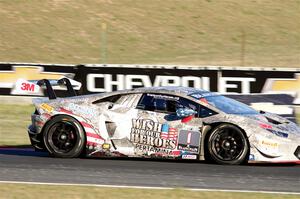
227, 144
64, 137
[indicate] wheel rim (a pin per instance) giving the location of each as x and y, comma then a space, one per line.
228, 144
62, 137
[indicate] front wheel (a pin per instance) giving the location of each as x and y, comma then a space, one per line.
227, 144
64, 137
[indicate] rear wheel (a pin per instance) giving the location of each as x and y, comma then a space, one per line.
227, 144
64, 137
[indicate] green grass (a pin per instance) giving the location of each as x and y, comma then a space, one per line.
74, 192
14, 120
140, 31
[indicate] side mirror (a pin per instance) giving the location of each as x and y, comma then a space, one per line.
185, 112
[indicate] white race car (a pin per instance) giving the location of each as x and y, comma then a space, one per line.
161, 122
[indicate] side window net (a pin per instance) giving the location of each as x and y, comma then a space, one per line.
146, 103
159, 102
169, 104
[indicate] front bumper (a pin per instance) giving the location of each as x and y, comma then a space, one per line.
267, 147
283, 153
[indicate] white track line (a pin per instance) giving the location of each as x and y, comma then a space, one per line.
145, 187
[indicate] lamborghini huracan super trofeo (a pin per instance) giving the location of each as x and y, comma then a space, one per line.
160, 122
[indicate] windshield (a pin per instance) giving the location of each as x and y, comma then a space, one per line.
229, 105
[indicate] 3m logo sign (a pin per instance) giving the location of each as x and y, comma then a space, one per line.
24, 87
27, 87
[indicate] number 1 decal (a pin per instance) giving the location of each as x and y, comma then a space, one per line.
189, 136
189, 141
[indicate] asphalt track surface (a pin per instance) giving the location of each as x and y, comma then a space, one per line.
24, 164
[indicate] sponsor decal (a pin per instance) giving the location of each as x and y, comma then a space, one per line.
189, 156
46, 107
167, 97
106, 146
269, 144
80, 110
24, 87
268, 147
189, 141
150, 136
27, 87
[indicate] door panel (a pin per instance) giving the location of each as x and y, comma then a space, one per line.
158, 132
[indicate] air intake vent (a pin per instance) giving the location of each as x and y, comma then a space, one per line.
297, 152
273, 121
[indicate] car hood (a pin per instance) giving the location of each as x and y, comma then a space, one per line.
276, 123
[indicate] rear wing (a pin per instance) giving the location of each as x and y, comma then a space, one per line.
61, 82
33, 87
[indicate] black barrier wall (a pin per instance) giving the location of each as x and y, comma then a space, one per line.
217, 79
106, 78
254, 83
